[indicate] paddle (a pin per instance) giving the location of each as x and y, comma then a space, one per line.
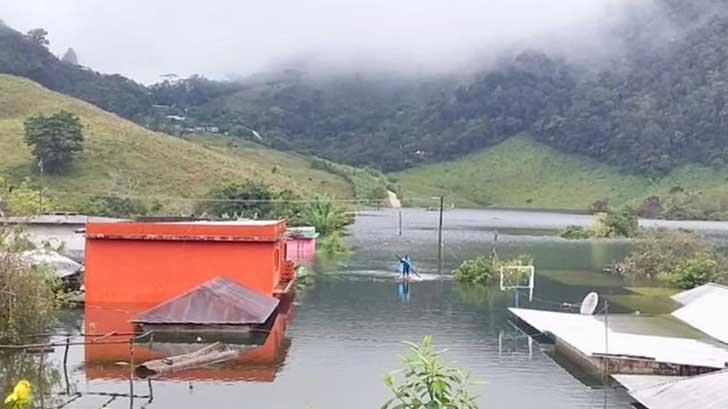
411, 268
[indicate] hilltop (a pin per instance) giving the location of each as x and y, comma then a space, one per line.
523, 173
125, 159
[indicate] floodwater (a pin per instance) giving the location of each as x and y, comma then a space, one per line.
332, 347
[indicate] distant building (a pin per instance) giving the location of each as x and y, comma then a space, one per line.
301, 244
176, 118
64, 230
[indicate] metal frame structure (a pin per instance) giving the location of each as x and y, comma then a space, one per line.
505, 284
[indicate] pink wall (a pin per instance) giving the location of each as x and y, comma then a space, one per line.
301, 249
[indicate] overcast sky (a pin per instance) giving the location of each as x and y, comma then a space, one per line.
146, 38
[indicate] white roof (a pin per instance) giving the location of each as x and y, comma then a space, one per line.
687, 297
61, 265
637, 382
57, 219
241, 222
587, 334
698, 392
704, 309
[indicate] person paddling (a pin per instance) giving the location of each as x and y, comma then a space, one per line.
405, 265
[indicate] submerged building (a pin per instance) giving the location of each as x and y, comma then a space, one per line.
147, 263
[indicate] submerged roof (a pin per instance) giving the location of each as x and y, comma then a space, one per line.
586, 333
219, 301
698, 392
703, 309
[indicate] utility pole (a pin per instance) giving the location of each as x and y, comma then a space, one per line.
400, 222
40, 192
439, 237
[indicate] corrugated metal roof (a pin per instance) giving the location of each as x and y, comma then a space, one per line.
219, 301
704, 311
699, 392
62, 266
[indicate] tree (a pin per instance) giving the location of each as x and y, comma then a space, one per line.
254, 200
428, 382
38, 36
22, 200
324, 214
56, 140
679, 258
70, 57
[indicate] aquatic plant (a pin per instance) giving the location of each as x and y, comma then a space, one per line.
333, 245
427, 382
616, 223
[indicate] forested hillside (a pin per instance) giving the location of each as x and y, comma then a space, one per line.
658, 104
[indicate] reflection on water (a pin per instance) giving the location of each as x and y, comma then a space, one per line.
349, 325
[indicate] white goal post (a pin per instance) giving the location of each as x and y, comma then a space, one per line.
518, 277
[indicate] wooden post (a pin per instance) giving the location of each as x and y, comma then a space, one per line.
606, 341
439, 237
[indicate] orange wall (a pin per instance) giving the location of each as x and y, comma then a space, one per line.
153, 271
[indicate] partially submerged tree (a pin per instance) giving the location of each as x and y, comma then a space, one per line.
56, 140
325, 214
677, 257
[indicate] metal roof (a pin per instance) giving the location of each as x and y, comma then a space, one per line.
698, 392
57, 219
586, 333
62, 266
687, 297
219, 301
637, 382
704, 309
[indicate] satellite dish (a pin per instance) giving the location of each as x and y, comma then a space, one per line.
589, 305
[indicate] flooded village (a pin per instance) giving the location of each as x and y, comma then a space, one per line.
192, 313
357, 204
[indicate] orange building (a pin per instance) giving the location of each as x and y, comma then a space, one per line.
147, 263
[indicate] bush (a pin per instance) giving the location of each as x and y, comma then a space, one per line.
22, 199
575, 233
678, 257
484, 270
480, 270
29, 297
333, 245
693, 272
618, 223
114, 206
252, 199
428, 383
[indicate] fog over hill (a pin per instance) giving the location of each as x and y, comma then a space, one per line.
142, 39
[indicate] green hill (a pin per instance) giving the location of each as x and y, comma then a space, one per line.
125, 159
521, 172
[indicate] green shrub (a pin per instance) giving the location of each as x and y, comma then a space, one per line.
325, 214
678, 257
617, 223
480, 270
114, 206
333, 245
29, 297
428, 383
574, 232
484, 270
693, 272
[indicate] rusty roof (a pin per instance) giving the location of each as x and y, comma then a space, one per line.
220, 301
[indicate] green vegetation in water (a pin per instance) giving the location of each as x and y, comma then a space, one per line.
621, 223
484, 270
427, 382
30, 297
677, 258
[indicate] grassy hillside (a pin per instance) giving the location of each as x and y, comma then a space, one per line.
523, 173
122, 158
